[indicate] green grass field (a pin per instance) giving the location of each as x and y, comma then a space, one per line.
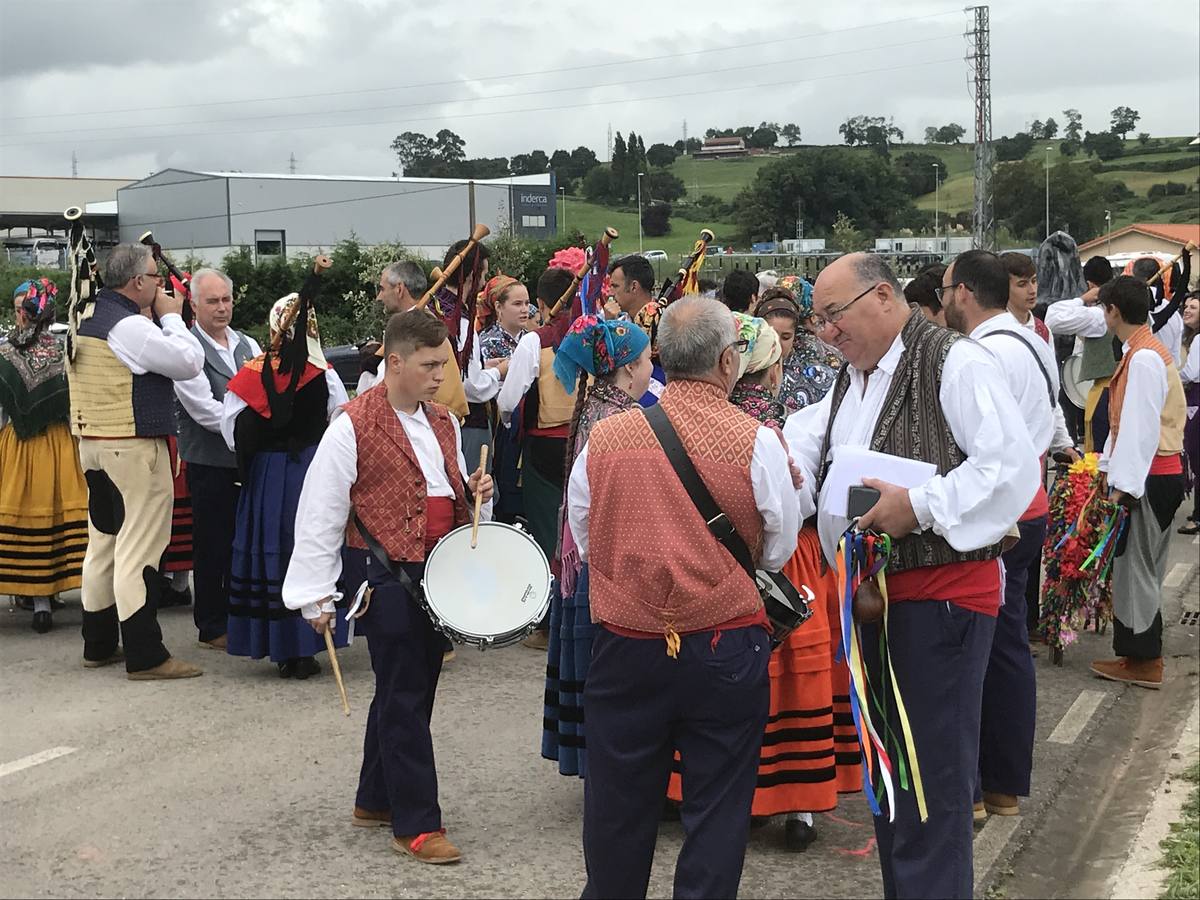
591, 219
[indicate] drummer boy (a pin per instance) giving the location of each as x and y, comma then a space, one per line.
391, 467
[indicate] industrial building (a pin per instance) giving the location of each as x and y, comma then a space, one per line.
207, 214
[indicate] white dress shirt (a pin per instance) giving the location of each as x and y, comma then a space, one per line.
144, 347
524, 366
480, 383
1191, 368
975, 504
1023, 375
1171, 334
324, 507
196, 396
770, 480
1062, 435
1128, 462
234, 404
1072, 317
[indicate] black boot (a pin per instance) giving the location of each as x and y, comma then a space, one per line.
798, 834
306, 666
42, 621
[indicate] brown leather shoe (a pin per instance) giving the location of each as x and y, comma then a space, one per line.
217, 643
538, 640
432, 847
118, 656
368, 818
1147, 673
172, 668
1001, 804
448, 656
979, 815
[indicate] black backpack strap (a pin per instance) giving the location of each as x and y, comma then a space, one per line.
1037, 359
380, 554
718, 523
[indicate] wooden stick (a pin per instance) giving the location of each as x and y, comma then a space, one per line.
479, 497
337, 670
1187, 248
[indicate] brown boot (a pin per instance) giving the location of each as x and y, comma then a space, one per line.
172, 668
217, 643
1147, 673
431, 847
368, 818
979, 815
538, 640
118, 656
1001, 804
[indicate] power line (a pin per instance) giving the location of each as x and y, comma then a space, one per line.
477, 115
424, 84
518, 94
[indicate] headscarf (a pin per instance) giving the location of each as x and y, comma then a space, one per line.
597, 346
489, 297
281, 310
762, 344
37, 299
802, 291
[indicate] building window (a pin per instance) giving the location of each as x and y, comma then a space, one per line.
533, 221
269, 243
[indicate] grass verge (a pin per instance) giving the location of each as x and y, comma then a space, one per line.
1181, 851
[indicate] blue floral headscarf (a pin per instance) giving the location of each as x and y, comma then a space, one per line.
597, 346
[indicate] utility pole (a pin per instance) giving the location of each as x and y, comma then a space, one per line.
471, 204
74, 165
608, 146
799, 220
980, 55
936, 184
292, 164
1047, 190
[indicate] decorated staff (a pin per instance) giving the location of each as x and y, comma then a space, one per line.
590, 275
85, 272
688, 280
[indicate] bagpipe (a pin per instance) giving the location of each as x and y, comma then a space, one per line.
85, 272
178, 282
1084, 530
590, 277
440, 277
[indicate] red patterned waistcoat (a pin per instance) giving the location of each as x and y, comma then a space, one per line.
389, 493
654, 566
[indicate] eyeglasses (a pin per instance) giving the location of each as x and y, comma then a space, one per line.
741, 346
157, 278
831, 316
940, 292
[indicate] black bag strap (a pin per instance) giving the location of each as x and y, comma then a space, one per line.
380, 554
718, 523
1037, 359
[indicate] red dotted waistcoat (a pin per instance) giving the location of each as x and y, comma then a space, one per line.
389, 493
654, 566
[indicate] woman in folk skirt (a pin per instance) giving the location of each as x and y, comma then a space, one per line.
608, 365
43, 495
276, 409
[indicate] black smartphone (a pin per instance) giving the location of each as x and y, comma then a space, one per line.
860, 500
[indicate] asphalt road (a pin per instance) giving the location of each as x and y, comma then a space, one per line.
239, 784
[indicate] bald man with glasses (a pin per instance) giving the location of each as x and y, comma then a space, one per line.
915, 390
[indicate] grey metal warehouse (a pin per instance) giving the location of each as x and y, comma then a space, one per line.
206, 214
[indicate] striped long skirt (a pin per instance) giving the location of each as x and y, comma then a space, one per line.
809, 751
43, 513
178, 557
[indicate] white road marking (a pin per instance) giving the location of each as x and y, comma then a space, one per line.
1075, 719
990, 842
1178, 574
35, 759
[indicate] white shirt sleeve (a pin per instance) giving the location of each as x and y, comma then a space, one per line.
230, 409
1128, 460
523, 368
196, 397
485, 510
480, 384
1062, 435
1072, 317
976, 503
368, 380
171, 350
804, 432
1191, 368
579, 502
321, 517
337, 393
775, 498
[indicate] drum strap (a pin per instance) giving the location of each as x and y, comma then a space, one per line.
380, 554
1037, 359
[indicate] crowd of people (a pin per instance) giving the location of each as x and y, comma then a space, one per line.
299, 495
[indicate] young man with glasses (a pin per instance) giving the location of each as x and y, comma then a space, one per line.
122, 409
914, 390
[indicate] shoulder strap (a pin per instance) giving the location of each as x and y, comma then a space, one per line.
384, 560
1037, 359
718, 523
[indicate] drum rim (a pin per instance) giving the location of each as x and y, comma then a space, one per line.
1070, 384
502, 638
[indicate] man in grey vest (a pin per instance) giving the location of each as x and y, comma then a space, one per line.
211, 467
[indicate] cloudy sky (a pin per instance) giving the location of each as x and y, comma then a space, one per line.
133, 87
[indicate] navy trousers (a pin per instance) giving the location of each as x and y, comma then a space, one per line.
398, 770
711, 705
1010, 686
214, 491
939, 653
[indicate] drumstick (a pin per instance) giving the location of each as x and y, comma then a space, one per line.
337, 670
479, 496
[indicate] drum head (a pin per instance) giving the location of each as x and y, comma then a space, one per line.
1075, 388
495, 590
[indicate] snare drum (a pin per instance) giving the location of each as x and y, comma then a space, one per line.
490, 596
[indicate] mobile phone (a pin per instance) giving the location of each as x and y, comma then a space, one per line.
860, 500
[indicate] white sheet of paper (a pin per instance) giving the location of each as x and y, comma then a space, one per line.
852, 464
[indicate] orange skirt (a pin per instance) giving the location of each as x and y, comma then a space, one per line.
809, 750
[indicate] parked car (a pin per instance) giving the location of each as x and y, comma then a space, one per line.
656, 255
346, 361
